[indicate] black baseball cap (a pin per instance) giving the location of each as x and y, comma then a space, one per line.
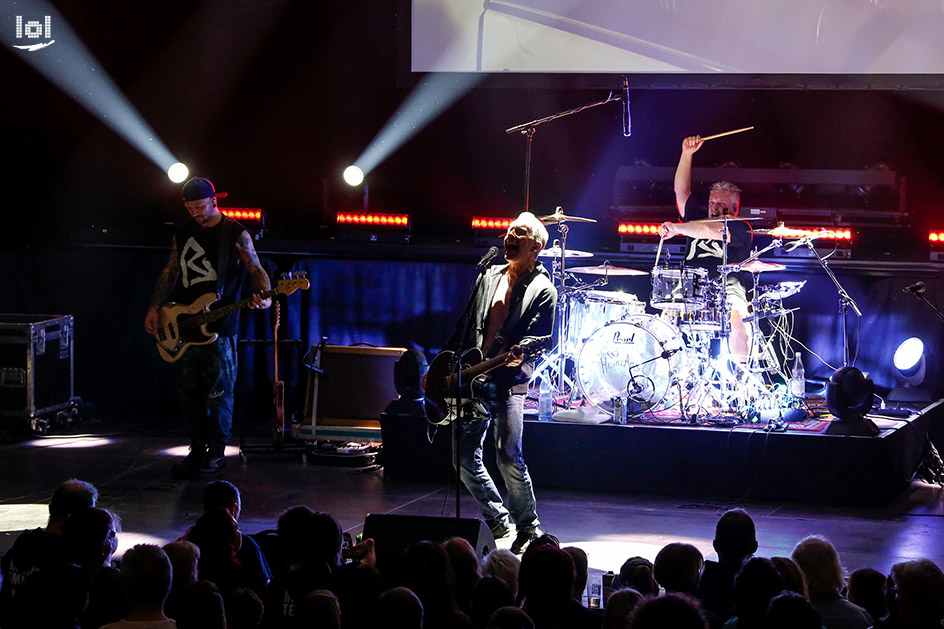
200, 188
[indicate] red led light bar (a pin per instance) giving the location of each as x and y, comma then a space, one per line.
373, 220
491, 223
640, 229
242, 213
936, 237
829, 234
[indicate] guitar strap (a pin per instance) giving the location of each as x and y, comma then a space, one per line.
222, 258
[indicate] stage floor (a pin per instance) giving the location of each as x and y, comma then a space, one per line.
129, 460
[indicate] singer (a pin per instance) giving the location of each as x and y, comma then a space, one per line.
513, 308
705, 248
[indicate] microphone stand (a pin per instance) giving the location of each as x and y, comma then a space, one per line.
528, 128
921, 297
845, 301
455, 367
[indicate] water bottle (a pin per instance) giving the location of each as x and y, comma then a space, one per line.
798, 380
545, 401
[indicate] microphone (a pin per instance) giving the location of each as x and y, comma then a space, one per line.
627, 119
491, 253
917, 288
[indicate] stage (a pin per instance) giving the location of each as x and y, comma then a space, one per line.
742, 462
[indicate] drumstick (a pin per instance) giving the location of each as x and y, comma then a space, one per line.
721, 135
659, 252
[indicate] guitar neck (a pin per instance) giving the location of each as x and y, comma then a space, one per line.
477, 370
219, 313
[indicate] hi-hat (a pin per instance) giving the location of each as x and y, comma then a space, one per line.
560, 217
759, 266
554, 252
606, 269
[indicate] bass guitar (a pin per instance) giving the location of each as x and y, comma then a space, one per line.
181, 326
441, 385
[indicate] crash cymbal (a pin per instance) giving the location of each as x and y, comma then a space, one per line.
606, 269
759, 266
782, 231
554, 252
560, 217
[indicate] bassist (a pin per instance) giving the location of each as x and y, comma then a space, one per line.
206, 255
513, 307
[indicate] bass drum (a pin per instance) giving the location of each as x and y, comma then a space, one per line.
640, 358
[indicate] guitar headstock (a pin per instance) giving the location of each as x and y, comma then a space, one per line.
287, 287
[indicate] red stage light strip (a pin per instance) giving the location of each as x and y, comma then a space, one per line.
373, 220
242, 213
936, 237
640, 229
830, 234
490, 223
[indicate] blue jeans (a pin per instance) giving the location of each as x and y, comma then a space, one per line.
206, 376
506, 412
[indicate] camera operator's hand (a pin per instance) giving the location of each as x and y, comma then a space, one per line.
364, 552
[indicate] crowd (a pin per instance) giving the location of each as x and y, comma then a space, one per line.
300, 575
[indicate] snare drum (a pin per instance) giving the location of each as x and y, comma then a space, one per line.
640, 358
593, 309
679, 289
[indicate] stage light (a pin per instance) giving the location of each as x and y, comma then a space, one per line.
910, 364
353, 176
480, 222
178, 172
371, 220
849, 396
638, 229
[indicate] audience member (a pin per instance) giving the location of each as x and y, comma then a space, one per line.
426, 571
619, 609
790, 610
243, 609
546, 583
675, 611
320, 609
490, 594
917, 595
754, 585
820, 563
465, 569
636, 573
399, 608
793, 578
217, 535
39, 548
581, 571
867, 590
504, 564
202, 607
91, 535
678, 568
145, 578
184, 557
735, 540
510, 618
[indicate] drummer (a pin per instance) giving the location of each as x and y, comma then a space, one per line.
705, 249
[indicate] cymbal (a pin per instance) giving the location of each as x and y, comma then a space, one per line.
554, 252
606, 269
560, 217
781, 231
759, 266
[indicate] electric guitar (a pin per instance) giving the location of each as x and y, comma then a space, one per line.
278, 391
180, 326
441, 386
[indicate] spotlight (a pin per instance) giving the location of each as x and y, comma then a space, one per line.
849, 396
178, 172
353, 176
910, 364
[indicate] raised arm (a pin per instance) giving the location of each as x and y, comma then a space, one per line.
683, 174
257, 275
162, 287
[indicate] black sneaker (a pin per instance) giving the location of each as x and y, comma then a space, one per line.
524, 539
500, 529
190, 466
213, 464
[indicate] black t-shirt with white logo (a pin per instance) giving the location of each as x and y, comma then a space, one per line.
199, 249
708, 254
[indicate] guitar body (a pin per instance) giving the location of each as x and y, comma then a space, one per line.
174, 335
440, 396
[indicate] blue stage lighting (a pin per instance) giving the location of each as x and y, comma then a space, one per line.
910, 363
909, 355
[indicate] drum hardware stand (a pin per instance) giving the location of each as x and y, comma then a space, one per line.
845, 301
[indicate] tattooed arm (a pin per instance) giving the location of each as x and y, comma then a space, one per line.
257, 275
165, 282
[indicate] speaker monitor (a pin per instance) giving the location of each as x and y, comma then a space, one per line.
393, 534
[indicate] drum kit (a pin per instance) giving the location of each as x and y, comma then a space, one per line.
616, 356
